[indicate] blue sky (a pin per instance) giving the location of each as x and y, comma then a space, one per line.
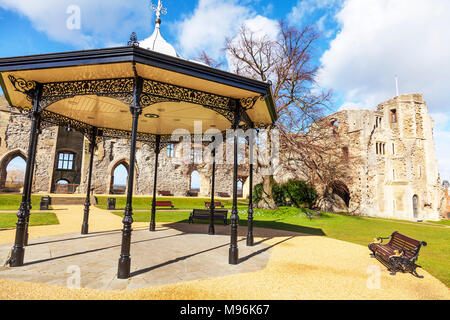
364, 43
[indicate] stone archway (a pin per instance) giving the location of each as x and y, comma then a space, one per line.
336, 197
341, 190
240, 187
112, 190
195, 181
4, 165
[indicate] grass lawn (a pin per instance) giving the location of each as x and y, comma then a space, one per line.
443, 222
434, 258
142, 203
12, 202
9, 219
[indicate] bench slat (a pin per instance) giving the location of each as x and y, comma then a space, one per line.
206, 214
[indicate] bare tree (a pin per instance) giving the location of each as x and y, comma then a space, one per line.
206, 59
288, 62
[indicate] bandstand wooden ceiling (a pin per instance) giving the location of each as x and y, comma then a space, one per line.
127, 63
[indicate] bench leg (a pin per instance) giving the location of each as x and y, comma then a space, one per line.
393, 265
414, 272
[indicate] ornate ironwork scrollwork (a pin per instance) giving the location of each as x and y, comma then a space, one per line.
120, 89
176, 93
24, 86
249, 103
162, 92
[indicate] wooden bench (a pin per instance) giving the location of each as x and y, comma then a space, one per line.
216, 204
164, 193
204, 214
191, 193
399, 254
164, 204
223, 194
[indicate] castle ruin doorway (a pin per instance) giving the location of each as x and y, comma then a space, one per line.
12, 170
341, 195
119, 178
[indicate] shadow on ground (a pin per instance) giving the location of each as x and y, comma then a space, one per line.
275, 228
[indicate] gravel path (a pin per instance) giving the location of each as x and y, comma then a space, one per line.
300, 267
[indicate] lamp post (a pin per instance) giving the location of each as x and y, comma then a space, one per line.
153, 214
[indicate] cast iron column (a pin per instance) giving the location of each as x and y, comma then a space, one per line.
18, 251
234, 251
87, 202
211, 230
30, 188
250, 194
125, 261
152, 218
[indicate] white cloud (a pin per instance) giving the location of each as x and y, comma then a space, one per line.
210, 24
381, 38
261, 28
99, 19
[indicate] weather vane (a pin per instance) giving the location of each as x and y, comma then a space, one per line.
159, 10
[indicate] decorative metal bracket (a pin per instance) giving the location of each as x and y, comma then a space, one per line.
24, 86
249, 103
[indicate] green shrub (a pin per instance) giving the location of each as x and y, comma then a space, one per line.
300, 192
257, 193
278, 195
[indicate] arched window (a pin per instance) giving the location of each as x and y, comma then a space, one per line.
240, 187
15, 172
12, 170
64, 186
195, 181
62, 182
119, 178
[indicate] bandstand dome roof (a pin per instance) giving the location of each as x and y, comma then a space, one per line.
157, 43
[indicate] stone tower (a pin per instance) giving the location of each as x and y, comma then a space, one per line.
408, 179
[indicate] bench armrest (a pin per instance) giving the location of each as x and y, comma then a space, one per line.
397, 253
380, 239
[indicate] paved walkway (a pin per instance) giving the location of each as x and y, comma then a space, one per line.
283, 265
70, 219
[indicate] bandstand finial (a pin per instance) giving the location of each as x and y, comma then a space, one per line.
159, 10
